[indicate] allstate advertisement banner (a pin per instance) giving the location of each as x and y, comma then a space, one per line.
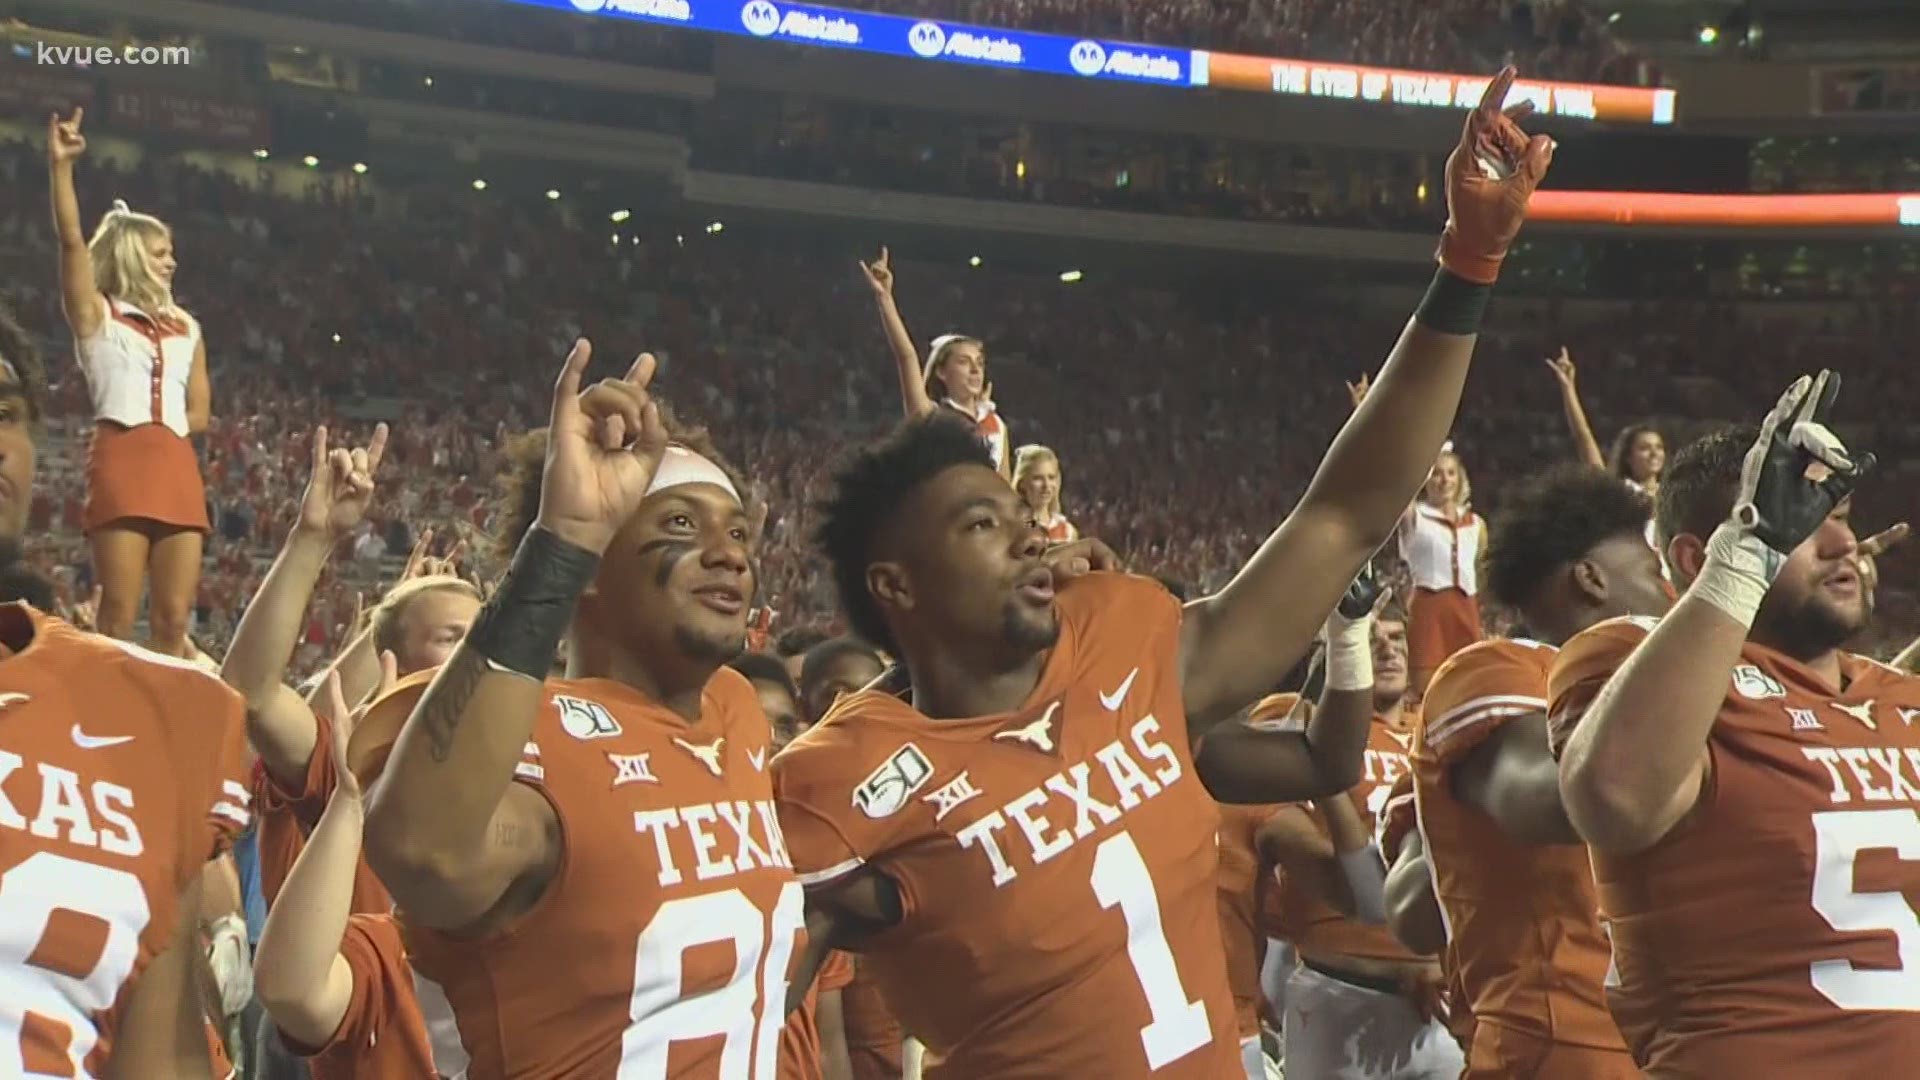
895, 35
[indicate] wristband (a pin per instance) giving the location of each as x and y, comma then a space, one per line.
1349, 654
520, 629
1453, 305
1739, 569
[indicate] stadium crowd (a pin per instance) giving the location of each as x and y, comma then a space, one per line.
433, 317
549, 704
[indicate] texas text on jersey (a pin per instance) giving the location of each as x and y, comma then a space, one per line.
1773, 932
671, 921
1522, 929
1307, 921
120, 776
1055, 865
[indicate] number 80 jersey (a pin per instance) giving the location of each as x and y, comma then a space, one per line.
120, 776
661, 946
1055, 865
1774, 931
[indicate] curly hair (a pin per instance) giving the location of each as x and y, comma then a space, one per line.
17, 350
519, 500
1554, 518
868, 488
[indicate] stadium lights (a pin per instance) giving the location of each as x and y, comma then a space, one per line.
553, 193
1070, 277
619, 216
1613, 18
360, 167
616, 239
975, 261
336, 339
262, 153
1709, 35
479, 185
310, 161
428, 81
715, 227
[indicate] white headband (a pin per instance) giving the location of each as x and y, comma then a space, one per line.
684, 466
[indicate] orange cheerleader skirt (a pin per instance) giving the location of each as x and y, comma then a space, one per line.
144, 474
1440, 622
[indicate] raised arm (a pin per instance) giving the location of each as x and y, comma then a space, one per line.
1584, 443
280, 723
448, 829
299, 975
1637, 761
1242, 640
1261, 763
906, 357
79, 298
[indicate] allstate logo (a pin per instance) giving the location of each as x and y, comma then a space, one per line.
589, 6
1087, 57
927, 39
760, 18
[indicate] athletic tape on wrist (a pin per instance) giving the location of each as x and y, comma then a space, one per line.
1738, 570
1453, 305
520, 628
1349, 654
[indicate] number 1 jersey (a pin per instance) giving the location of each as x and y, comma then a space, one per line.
1055, 865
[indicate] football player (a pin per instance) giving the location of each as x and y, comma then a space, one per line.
120, 777
1750, 792
588, 870
814, 1044
1568, 550
1027, 823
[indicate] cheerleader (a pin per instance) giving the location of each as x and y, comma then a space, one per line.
146, 370
955, 374
1036, 477
1441, 539
1639, 452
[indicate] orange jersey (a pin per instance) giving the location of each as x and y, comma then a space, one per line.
674, 887
1396, 819
120, 776
1060, 530
800, 1042
1773, 932
875, 1038
1241, 887
382, 1033
286, 817
1523, 932
1056, 862
1306, 921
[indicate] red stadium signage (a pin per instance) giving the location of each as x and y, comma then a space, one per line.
1666, 210
190, 116
1427, 89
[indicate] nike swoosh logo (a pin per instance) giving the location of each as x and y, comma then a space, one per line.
1113, 701
96, 742
758, 758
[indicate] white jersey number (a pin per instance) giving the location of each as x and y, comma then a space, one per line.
1179, 1026
748, 1012
1839, 838
51, 994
